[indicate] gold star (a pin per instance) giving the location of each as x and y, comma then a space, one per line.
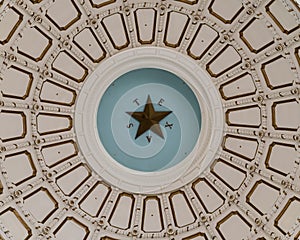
149, 119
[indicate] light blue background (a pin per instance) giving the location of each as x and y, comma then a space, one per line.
164, 153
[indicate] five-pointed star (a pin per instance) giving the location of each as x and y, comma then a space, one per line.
149, 119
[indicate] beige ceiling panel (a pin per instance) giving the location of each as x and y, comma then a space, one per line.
282, 17
34, 44
121, 215
229, 174
53, 123
93, 202
286, 115
224, 60
90, 45
249, 35
70, 181
19, 167
69, 66
203, 40
9, 23
182, 210
209, 197
108, 238
241, 146
225, 12
63, 14
176, 26
152, 216
146, 25
237, 87
16, 83
71, 228
257, 196
191, 2
197, 236
245, 117
41, 204
278, 72
289, 215
234, 227
115, 28
59, 152
15, 224
15, 123
281, 158
55, 93
101, 3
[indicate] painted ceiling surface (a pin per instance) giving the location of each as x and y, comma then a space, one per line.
250, 49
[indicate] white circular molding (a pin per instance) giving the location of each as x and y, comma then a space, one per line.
246, 54
153, 182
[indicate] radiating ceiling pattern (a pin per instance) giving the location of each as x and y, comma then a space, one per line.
250, 50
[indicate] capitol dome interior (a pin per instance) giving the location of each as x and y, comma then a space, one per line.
158, 119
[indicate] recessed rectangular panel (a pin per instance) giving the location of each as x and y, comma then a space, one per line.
94, 200
257, 196
190, 2
145, 24
58, 152
204, 38
209, 197
89, 44
19, 167
197, 236
249, 35
278, 72
15, 224
34, 44
229, 174
234, 227
41, 204
289, 215
63, 14
175, 28
116, 30
241, 146
282, 17
71, 180
55, 93
225, 60
16, 82
182, 210
108, 238
122, 212
9, 23
52, 123
245, 116
68, 66
240, 86
276, 153
226, 13
286, 115
71, 228
101, 3
15, 125
152, 215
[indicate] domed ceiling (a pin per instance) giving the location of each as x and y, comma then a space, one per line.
250, 52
